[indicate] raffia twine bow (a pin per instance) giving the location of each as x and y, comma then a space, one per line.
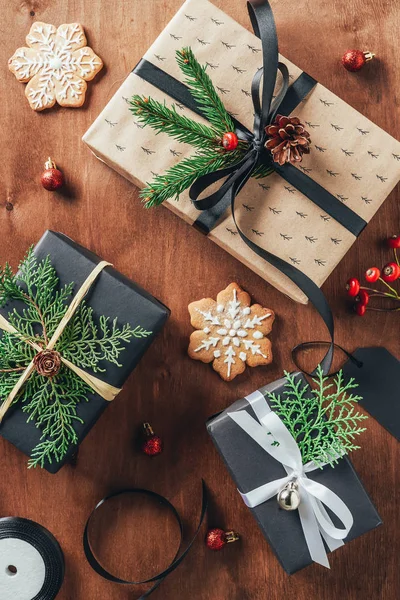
102, 388
315, 521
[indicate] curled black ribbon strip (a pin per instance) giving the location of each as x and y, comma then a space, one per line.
236, 176
176, 561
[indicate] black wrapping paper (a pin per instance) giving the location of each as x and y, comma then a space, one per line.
112, 295
250, 467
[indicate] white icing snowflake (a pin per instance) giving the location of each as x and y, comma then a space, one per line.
56, 64
230, 332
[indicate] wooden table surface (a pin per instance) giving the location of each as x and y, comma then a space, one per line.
101, 210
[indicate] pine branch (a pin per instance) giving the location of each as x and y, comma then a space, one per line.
166, 120
180, 176
202, 89
325, 424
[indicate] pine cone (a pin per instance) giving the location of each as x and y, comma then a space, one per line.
47, 363
288, 140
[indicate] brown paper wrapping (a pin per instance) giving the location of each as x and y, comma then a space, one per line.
352, 158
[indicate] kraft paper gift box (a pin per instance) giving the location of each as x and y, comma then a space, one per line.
250, 467
112, 295
353, 159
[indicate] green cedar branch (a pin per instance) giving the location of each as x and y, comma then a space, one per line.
325, 425
51, 403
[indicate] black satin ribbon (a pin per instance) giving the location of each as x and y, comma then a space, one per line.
307, 186
176, 561
236, 176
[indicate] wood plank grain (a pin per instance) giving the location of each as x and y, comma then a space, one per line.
101, 210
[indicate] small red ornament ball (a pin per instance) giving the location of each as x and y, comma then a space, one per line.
217, 538
152, 444
354, 60
52, 178
230, 140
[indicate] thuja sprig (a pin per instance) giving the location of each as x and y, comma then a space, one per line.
209, 154
51, 402
324, 423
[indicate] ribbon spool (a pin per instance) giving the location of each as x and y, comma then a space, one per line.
31, 561
157, 579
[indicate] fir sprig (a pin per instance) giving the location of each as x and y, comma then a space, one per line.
51, 403
167, 120
209, 154
180, 176
324, 425
203, 91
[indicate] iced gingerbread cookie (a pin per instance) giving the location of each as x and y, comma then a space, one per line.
230, 332
57, 64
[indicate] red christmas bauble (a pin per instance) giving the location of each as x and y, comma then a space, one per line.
52, 178
152, 444
230, 140
354, 60
217, 538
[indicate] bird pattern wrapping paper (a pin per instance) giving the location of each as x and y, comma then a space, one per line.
351, 157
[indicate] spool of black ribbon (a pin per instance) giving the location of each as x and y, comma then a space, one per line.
157, 579
31, 561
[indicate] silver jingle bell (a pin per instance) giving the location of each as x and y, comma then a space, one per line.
289, 496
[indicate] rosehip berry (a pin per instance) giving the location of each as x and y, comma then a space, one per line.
372, 274
362, 298
391, 272
394, 241
353, 287
360, 309
230, 140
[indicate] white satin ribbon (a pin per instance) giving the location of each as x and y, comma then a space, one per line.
315, 521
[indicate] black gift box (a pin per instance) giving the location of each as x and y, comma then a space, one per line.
112, 295
250, 467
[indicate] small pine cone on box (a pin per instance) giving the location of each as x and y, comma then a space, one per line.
288, 140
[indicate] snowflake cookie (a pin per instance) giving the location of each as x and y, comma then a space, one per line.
57, 65
231, 333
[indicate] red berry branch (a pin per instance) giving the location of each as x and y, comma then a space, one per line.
389, 274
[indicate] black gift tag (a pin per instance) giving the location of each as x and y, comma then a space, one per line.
378, 380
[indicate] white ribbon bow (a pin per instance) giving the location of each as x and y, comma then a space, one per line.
315, 520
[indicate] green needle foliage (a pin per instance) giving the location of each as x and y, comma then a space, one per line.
324, 425
51, 403
180, 176
209, 154
203, 91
